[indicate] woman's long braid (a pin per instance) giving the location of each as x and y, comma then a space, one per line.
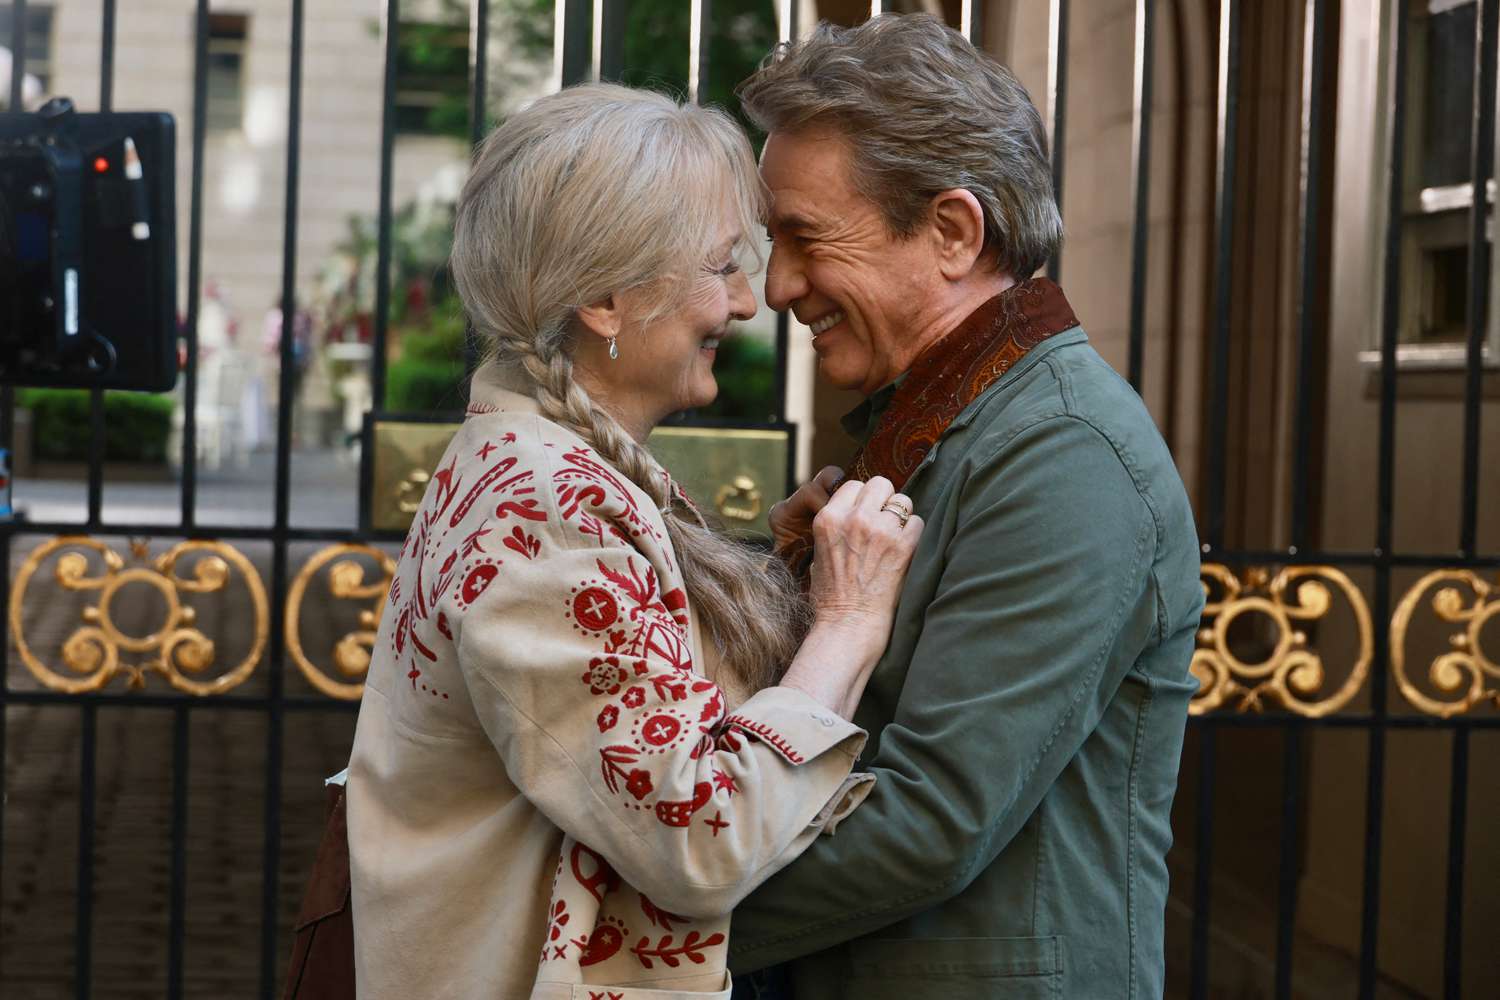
717, 571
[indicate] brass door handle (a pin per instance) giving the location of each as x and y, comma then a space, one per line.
409, 492
739, 499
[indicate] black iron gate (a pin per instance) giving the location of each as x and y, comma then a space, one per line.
1276, 693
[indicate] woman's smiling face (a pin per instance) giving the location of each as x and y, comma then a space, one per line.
665, 361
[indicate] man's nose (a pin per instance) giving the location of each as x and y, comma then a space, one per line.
785, 282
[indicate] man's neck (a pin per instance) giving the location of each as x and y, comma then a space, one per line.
957, 304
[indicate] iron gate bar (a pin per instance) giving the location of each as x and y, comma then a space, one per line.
1204, 853
176, 914
383, 223
96, 397
1384, 505
786, 25
571, 48
1228, 148
479, 62
698, 55
609, 39
311, 703
971, 21
1057, 101
7, 432
1453, 921
479, 30
208, 532
1286, 893
1483, 159
1315, 29
1140, 141
239, 703
195, 272
276, 658
83, 913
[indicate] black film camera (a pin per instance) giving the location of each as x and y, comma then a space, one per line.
88, 271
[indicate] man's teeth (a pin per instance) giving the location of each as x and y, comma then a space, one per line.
711, 343
831, 320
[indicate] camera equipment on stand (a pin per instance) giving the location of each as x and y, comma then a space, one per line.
88, 271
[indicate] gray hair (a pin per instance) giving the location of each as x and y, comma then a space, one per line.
922, 111
585, 193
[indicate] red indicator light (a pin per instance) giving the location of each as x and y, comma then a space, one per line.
101, 166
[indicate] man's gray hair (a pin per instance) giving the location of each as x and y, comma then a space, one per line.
923, 111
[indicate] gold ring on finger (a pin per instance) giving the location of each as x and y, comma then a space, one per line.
901, 512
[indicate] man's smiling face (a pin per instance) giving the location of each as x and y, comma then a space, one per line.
862, 290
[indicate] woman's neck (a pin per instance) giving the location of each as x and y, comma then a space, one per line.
633, 419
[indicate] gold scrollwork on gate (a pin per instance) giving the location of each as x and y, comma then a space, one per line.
346, 581
93, 650
1464, 672
1292, 674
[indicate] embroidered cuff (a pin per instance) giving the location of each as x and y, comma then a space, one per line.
796, 725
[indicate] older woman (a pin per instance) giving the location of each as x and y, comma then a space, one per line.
593, 724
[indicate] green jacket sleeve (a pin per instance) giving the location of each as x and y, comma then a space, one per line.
1045, 599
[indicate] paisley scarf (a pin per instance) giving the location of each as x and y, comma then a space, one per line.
952, 373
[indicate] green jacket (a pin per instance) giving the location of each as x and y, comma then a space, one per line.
1026, 720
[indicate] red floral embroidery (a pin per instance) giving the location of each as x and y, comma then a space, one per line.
766, 735
608, 717
639, 783
595, 609
605, 675
634, 698
520, 541
691, 949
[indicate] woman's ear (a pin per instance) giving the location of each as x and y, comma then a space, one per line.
603, 318
958, 223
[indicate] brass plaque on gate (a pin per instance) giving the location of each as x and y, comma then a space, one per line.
405, 455
736, 473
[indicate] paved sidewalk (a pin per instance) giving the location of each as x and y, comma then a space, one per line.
324, 484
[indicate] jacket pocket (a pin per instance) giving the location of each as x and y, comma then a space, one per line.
1020, 968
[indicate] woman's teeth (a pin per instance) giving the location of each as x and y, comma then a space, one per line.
711, 343
827, 322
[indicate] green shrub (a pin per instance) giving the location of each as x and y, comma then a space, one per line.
136, 424
415, 386
746, 372
427, 377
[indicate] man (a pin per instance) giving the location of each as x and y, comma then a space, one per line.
1026, 720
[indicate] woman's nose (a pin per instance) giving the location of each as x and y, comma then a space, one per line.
742, 305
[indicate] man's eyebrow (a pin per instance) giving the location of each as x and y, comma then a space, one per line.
789, 223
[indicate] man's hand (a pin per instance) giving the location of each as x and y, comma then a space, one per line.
791, 520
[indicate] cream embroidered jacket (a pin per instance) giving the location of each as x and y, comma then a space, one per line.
548, 790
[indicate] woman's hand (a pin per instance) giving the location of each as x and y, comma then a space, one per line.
863, 540
862, 549
791, 520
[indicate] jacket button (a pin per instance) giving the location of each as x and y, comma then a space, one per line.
825, 720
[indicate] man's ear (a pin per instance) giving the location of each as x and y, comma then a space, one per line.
958, 223
603, 318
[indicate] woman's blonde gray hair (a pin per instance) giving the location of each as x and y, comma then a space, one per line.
922, 111
583, 194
